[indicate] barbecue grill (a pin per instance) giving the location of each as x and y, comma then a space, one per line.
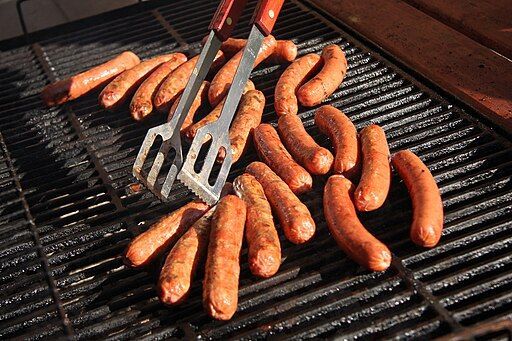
68, 205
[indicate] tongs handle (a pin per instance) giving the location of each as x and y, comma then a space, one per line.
226, 17
266, 15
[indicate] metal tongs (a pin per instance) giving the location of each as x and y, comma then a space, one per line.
221, 27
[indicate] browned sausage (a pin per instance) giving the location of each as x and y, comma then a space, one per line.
123, 86
142, 102
176, 82
343, 135
260, 232
201, 98
214, 115
327, 80
375, 180
317, 160
222, 80
285, 51
148, 245
180, 265
347, 230
274, 154
220, 288
293, 215
247, 118
427, 206
285, 100
87, 81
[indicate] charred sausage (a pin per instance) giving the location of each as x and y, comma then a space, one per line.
294, 217
201, 98
427, 206
247, 118
260, 232
285, 99
87, 81
148, 245
222, 270
343, 135
142, 102
347, 230
317, 160
327, 80
271, 151
375, 180
222, 80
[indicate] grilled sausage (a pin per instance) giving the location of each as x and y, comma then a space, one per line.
375, 180
327, 80
181, 264
201, 98
316, 159
260, 232
427, 206
247, 118
176, 82
347, 230
293, 215
214, 115
274, 154
142, 102
222, 80
148, 245
285, 100
87, 81
343, 135
220, 288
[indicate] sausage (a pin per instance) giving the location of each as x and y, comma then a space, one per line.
201, 98
181, 264
191, 132
124, 85
148, 245
176, 82
315, 159
427, 206
264, 254
294, 217
247, 118
222, 270
285, 100
274, 154
343, 135
347, 230
222, 80
87, 81
327, 80
285, 51
142, 102
375, 180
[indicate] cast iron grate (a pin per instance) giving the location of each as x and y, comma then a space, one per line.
67, 210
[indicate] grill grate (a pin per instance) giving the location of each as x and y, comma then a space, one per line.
67, 209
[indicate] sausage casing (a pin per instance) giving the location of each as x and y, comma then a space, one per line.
201, 98
427, 206
347, 230
294, 217
222, 270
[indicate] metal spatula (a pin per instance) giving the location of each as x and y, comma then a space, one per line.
221, 26
262, 23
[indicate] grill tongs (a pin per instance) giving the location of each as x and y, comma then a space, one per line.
221, 26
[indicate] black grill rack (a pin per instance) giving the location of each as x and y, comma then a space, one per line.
67, 209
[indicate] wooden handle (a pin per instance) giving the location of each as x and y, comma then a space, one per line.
266, 14
226, 17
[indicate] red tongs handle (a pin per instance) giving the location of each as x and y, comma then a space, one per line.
226, 17
266, 14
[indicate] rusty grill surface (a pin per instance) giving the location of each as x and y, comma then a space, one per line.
67, 209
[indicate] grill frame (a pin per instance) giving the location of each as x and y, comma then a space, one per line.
77, 120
